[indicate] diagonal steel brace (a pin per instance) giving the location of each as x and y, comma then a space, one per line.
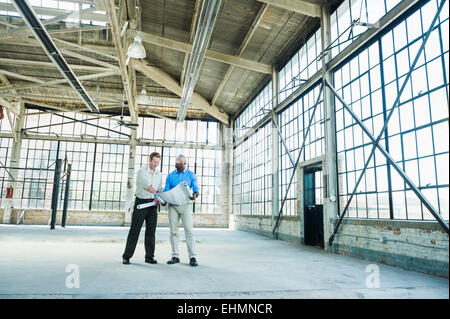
391, 161
375, 143
298, 157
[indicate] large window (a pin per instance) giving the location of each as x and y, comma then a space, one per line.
192, 131
301, 67
74, 124
81, 156
343, 28
294, 122
255, 111
252, 177
100, 170
418, 130
47, 9
5, 127
205, 163
5, 157
109, 190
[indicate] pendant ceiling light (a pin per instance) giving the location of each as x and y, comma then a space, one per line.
142, 98
136, 50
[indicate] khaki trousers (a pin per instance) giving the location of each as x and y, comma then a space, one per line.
185, 213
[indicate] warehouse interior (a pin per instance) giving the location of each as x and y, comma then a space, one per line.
318, 131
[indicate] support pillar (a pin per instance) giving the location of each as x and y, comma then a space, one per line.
131, 183
14, 162
330, 171
226, 178
275, 149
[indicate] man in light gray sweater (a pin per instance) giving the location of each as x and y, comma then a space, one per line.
148, 182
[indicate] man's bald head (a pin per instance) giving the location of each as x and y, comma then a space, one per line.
181, 159
180, 163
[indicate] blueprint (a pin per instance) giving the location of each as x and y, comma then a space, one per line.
176, 196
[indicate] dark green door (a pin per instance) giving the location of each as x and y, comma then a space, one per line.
313, 210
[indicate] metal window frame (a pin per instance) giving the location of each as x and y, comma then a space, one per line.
297, 162
376, 141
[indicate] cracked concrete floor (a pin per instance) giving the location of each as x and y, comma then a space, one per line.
232, 264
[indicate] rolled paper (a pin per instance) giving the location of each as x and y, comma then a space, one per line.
145, 205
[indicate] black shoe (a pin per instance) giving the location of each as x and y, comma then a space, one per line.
174, 260
193, 262
126, 261
151, 260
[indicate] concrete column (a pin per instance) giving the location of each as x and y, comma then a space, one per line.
275, 148
14, 162
226, 178
131, 183
331, 196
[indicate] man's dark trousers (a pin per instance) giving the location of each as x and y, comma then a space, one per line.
150, 215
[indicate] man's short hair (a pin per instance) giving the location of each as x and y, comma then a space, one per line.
155, 154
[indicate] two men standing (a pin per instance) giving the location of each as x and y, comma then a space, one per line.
149, 182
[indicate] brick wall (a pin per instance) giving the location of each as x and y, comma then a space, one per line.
102, 218
288, 227
421, 246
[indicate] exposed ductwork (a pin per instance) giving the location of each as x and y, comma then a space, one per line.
202, 37
39, 31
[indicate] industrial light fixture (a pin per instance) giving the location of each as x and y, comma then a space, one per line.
142, 98
202, 37
136, 50
39, 31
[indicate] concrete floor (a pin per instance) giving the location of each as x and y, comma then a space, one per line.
232, 264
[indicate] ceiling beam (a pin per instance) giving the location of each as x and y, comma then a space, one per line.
40, 64
62, 109
100, 50
8, 24
132, 14
11, 124
198, 5
110, 8
9, 106
161, 77
22, 77
82, 29
4, 80
39, 31
41, 83
241, 49
133, 10
105, 94
104, 50
89, 59
61, 99
300, 6
210, 54
53, 20
58, 109
54, 12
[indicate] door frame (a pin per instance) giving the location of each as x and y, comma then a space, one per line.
315, 162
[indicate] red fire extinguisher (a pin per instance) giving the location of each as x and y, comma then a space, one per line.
9, 192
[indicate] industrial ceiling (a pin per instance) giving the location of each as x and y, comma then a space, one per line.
248, 40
